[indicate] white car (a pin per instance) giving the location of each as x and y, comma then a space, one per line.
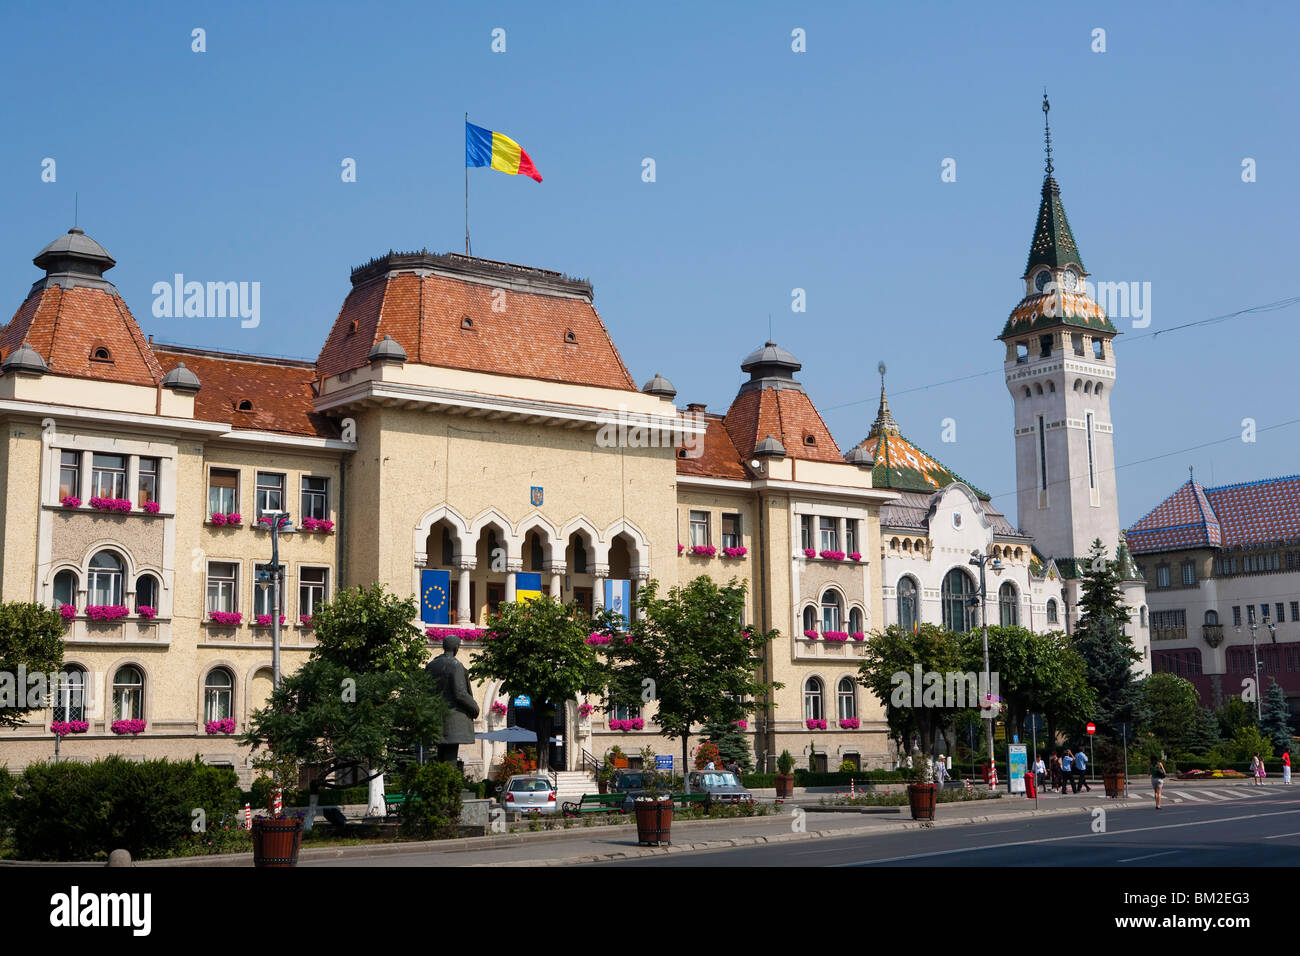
528, 794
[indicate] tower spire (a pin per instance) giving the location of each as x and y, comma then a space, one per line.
884, 423
1047, 132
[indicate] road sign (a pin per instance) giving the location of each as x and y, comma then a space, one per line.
664, 762
1091, 728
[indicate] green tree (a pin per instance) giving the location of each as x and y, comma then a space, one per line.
539, 647
699, 660
893, 660
1036, 673
1172, 705
1276, 725
732, 744
1233, 714
1108, 653
362, 701
1203, 734
31, 648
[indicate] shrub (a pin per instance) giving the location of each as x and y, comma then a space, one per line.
516, 762
707, 753
431, 810
847, 767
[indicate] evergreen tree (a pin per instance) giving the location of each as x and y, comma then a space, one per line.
732, 744
1276, 724
1203, 734
1233, 714
1107, 651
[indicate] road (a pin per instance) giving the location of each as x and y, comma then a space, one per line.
1248, 828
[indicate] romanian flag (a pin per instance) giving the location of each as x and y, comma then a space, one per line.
486, 148
528, 586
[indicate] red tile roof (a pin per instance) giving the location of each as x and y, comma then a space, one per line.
424, 313
279, 390
1230, 516
786, 414
719, 458
65, 325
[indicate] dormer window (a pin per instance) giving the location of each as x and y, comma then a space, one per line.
467, 323
353, 327
570, 337
810, 439
100, 354
245, 405
1098, 349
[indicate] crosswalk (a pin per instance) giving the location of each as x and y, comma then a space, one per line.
1219, 794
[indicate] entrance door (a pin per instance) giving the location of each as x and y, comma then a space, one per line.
496, 593
583, 597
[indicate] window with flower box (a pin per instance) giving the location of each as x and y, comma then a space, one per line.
108, 476
223, 491
65, 589
812, 699
626, 711
313, 589
69, 700
218, 695
851, 535
146, 592
105, 580
699, 529
315, 498
830, 536
69, 474
147, 482
830, 611
731, 537
847, 698
263, 590
270, 492
128, 694
223, 587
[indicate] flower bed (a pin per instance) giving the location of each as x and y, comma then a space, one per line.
70, 501
226, 618
111, 504
232, 520
735, 552
223, 726
62, 728
124, 727
704, 550
464, 633
147, 612
264, 620
635, 723
815, 723
1211, 775
321, 525
68, 611
850, 723
107, 612
838, 637
832, 555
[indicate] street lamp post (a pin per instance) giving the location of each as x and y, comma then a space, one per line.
277, 572
1254, 655
981, 560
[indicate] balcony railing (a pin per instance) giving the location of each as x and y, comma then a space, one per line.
1169, 633
1213, 634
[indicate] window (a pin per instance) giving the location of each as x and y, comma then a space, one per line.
1042, 454
1168, 625
809, 619
1189, 573
830, 535
65, 588
223, 491
812, 699
1044, 346
1098, 349
536, 553
1281, 609
69, 701
1295, 611
1052, 612
730, 530
313, 587
851, 535
855, 621
626, 711
146, 486
128, 694
1142, 615
847, 699
1212, 618
699, 529
223, 586
263, 588
1076, 342
1263, 612
1162, 576
958, 590
315, 498
1008, 605
1236, 616
69, 474
907, 618
1092, 469
830, 611
270, 492
105, 580
579, 557
805, 531
146, 592
218, 695
108, 476
1250, 614
1022, 354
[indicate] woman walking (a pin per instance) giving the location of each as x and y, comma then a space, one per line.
1257, 770
1157, 778
1286, 766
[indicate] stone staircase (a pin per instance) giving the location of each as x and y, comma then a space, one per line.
572, 784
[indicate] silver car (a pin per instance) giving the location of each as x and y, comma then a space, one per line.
528, 794
719, 786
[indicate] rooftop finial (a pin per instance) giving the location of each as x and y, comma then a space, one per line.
884, 423
1047, 130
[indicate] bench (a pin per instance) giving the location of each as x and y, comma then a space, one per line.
593, 803
691, 799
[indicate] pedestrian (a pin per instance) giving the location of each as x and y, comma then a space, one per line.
1286, 766
1067, 770
1257, 770
734, 767
1080, 767
1157, 778
1056, 771
1040, 771
940, 772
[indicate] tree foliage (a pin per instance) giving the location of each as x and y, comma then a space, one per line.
1203, 734
733, 744
1036, 673
1233, 714
31, 643
1172, 706
889, 670
1108, 653
1276, 723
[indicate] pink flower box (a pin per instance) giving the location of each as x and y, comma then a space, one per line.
681, 548
855, 555
304, 620
223, 726
815, 724
152, 507
264, 620
107, 612
322, 525
838, 637
849, 723
68, 611
585, 710
858, 636
234, 519
464, 633
62, 728
123, 727
809, 553
811, 635
147, 612
70, 501
735, 552
111, 504
226, 618
704, 550
635, 723
265, 521
832, 555
217, 518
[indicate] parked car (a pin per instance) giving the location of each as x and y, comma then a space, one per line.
528, 794
721, 786
637, 783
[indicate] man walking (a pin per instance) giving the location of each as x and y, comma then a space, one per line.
1067, 770
1080, 767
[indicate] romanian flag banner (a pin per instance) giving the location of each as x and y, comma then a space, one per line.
528, 586
486, 148
435, 594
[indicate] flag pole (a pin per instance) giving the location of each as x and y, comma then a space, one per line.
467, 192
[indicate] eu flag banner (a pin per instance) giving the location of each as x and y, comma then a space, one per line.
528, 586
435, 597
618, 597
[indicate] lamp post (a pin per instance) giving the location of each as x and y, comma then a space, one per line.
980, 560
276, 570
1254, 655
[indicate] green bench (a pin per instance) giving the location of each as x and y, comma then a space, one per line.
593, 803
691, 799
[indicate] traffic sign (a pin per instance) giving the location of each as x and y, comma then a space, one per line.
1091, 728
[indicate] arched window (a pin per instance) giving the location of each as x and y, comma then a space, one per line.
1078, 384
1211, 618
907, 544
893, 544
1028, 394
1051, 387
105, 579
218, 694
907, 617
1097, 391
1008, 609
1142, 615
146, 592
847, 699
65, 588
1051, 611
1087, 388
70, 695
128, 694
830, 611
855, 621
1038, 388
958, 589
809, 618
812, 699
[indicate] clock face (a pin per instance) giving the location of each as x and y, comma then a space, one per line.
1071, 280
1042, 279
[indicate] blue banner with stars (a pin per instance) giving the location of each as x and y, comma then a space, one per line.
435, 597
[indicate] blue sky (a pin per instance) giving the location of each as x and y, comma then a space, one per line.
775, 170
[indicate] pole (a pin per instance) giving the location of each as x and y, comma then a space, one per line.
1259, 707
1124, 732
275, 601
467, 193
988, 679
1092, 766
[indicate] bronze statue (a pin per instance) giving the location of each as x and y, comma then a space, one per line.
452, 681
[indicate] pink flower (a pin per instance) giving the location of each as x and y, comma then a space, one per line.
742, 724
217, 518
584, 710
223, 726
122, 727
809, 553
858, 636
637, 723
308, 524
107, 612
616, 725
226, 618
735, 552
595, 639
234, 518
836, 636
464, 633
70, 501
811, 635
152, 507
849, 723
855, 555
325, 526
110, 504
67, 611
681, 548
147, 612
62, 728
264, 620
704, 550
815, 723
304, 620
833, 555
499, 708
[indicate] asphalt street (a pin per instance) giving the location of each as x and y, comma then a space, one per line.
1247, 829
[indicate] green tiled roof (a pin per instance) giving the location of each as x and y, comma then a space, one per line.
1038, 323
1053, 243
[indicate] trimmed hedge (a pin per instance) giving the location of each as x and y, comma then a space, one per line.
84, 811
807, 778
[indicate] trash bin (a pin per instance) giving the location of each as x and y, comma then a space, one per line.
1030, 791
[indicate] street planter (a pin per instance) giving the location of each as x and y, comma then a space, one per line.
1115, 783
276, 841
602, 786
921, 798
784, 785
654, 820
